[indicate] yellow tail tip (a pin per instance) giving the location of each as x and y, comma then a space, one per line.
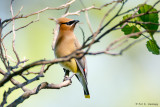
87, 96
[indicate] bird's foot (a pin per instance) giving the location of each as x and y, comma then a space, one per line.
67, 78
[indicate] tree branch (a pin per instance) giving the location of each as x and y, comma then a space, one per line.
36, 90
40, 11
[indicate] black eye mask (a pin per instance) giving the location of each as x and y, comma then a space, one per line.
71, 22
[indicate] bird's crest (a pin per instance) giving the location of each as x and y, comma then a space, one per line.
63, 20
67, 24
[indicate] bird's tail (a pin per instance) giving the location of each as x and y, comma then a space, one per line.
86, 92
84, 84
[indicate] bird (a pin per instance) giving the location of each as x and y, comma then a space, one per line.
66, 43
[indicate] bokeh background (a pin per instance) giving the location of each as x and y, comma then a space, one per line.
114, 81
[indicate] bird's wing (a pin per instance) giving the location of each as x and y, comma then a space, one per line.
82, 67
81, 62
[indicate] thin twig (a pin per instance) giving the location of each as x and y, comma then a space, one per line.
115, 16
101, 28
67, 9
139, 22
82, 34
19, 28
5, 51
14, 34
87, 18
120, 52
55, 36
40, 11
1, 49
123, 37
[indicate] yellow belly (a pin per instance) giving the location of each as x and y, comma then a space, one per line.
70, 65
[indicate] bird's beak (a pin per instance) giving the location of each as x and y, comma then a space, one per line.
76, 21
74, 24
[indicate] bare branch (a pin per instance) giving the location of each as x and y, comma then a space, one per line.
120, 52
16, 83
14, 34
19, 28
41, 62
55, 32
2, 72
108, 31
89, 8
139, 22
115, 16
21, 85
40, 11
5, 51
82, 34
67, 9
123, 37
1, 49
36, 90
98, 30
78, 12
87, 18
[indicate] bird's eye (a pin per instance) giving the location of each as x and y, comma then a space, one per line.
70, 22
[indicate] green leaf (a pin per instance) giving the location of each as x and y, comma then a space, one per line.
131, 27
152, 47
153, 18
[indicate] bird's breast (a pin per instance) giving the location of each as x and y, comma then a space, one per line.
64, 47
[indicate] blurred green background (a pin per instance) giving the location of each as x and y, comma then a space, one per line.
120, 81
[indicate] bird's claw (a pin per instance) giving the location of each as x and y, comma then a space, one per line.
67, 78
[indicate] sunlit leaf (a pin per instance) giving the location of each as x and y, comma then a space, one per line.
153, 18
129, 28
152, 47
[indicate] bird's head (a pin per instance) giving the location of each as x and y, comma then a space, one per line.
67, 24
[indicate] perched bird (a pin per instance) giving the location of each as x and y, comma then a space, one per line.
66, 43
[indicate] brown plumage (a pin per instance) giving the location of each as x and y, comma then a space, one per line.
67, 43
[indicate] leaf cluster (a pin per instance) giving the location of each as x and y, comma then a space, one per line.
149, 22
